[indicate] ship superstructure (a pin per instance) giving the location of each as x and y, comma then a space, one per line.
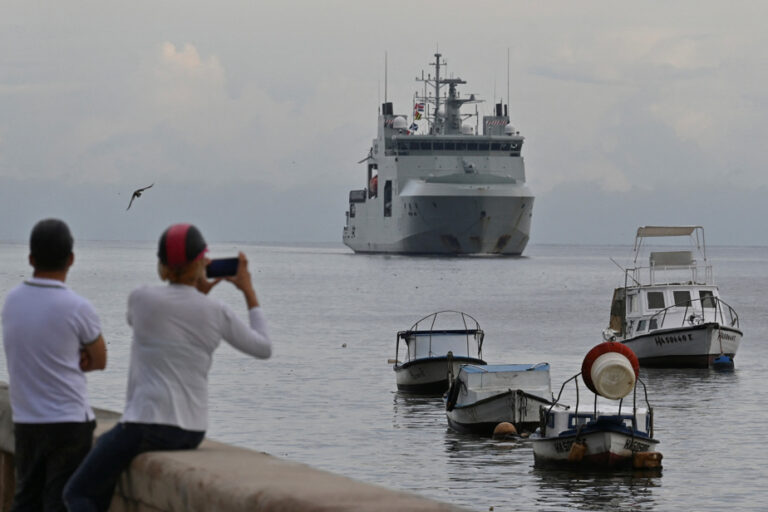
435, 186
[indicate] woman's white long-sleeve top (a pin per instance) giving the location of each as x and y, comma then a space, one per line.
175, 332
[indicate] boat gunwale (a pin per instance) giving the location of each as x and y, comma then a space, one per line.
597, 427
437, 359
698, 327
409, 332
504, 394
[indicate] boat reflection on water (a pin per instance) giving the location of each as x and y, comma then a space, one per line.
414, 411
486, 451
594, 491
680, 390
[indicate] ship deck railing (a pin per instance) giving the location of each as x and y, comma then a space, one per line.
695, 312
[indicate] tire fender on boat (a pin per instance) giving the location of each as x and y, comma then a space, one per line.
610, 370
452, 395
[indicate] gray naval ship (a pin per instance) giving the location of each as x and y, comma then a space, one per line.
436, 186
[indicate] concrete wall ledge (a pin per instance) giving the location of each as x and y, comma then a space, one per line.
221, 477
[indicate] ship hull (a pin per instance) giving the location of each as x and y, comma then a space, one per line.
450, 220
603, 449
481, 417
429, 376
698, 346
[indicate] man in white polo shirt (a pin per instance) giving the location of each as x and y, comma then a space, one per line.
51, 337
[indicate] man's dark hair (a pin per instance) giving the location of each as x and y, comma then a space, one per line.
50, 244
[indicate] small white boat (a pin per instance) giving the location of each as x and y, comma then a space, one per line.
482, 396
433, 348
604, 437
600, 435
670, 313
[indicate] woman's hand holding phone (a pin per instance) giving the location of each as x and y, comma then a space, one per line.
242, 280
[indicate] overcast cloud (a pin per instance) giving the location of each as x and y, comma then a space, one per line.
249, 117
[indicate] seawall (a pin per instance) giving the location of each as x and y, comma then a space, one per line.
221, 477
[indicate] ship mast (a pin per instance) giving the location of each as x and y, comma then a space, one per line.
449, 120
438, 121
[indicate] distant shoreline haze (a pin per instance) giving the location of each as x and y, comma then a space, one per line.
314, 213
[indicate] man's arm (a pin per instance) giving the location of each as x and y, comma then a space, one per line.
94, 355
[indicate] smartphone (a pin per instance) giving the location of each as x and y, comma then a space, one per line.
222, 267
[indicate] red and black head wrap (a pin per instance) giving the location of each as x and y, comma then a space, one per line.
181, 244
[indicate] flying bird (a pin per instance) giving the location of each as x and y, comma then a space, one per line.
137, 193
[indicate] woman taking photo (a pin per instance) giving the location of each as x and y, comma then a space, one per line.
176, 328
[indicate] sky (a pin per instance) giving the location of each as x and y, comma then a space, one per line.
250, 117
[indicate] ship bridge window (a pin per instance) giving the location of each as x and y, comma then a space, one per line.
402, 147
655, 300
472, 146
641, 325
707, 298
426, 146
450, 146
682, 298
461, 146
483, 146
414, 146
438, 146
506, 146
495, 146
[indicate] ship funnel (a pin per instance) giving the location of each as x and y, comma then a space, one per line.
498, 109
386, 108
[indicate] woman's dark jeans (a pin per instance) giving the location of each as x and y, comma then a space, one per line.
93, 484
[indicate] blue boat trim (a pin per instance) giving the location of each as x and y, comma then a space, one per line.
606, 424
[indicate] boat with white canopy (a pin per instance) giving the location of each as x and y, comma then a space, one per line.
434, 348
670, 312
483, 396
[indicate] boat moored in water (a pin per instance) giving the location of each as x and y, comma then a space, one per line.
435, 186
483, 396
434, 348
603, 435
670, 313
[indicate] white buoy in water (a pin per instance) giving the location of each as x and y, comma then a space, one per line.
613, 376
610, 369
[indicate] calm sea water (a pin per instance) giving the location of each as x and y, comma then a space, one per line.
328, 396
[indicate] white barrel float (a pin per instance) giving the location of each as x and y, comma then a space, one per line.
610, 369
